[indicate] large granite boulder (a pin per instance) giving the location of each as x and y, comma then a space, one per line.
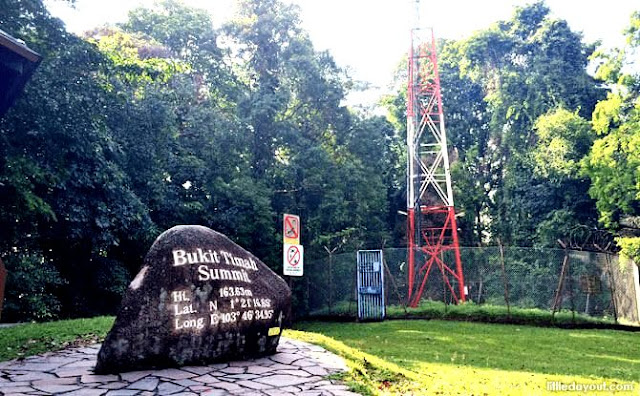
199, 298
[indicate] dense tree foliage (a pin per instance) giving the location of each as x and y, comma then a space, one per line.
133, 129
613, 164
167, 120
524, 73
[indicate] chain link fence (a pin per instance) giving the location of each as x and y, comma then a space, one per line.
596, 284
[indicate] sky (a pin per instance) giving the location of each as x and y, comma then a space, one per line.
369, 37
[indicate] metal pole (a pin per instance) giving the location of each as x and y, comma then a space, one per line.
330, 252
504, 277
558, 298
456, 251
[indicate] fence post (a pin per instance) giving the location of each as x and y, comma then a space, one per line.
354, 296
308, 297
504, 277
3, 278
444, 285
558, 297
636, 285
571, 286
612, 283
330, 277
481, 285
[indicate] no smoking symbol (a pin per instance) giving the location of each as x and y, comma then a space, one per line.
293, 255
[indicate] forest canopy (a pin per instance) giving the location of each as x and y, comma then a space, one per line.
165, 119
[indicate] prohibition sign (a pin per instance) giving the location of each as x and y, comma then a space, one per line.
293, 255
293, 260
291, 227
291, 232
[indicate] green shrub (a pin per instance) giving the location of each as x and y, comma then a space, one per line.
630, 247
30, 289
110, 280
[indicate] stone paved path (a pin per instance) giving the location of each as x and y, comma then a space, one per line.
297, 369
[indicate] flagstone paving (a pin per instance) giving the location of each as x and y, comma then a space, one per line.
298, 368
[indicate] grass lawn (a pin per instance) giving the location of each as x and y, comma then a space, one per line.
458, 358
33, 338
420, 357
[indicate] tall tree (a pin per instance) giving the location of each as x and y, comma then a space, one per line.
613, 163
79, 200
526, 67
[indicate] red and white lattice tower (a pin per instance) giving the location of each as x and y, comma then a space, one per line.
432, 235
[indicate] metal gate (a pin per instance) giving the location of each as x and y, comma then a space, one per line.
370, 285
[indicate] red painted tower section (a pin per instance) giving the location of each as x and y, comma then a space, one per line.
432, 233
